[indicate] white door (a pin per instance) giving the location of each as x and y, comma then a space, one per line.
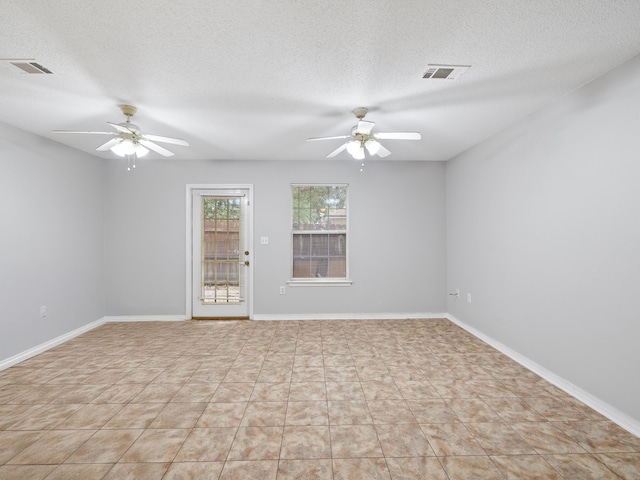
221, 255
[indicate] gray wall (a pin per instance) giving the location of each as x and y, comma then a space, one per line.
544, 231
397, 235
51, 209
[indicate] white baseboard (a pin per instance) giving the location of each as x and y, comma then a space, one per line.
347, 316
620, 418
32, 352
146, 318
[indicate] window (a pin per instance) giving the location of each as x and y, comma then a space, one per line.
319, 233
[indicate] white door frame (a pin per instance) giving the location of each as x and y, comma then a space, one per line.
189, 240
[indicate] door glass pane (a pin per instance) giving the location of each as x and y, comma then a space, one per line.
221, 274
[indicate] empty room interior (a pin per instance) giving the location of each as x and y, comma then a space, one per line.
320, 240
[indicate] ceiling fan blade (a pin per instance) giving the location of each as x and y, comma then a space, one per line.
106, 146
383, 152
156, 148
364, 127
313, 139
77, 131
338, 150
175, 141
121, 128
398, 135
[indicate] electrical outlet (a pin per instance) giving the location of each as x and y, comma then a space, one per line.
43, 311
468, 298
283, 291
264, 240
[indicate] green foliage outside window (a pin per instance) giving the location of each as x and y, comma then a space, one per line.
319, 207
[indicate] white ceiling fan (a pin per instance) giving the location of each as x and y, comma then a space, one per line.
129, 140
361, 138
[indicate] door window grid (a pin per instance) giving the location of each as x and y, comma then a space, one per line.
220, 250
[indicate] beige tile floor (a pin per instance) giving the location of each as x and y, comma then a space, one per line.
405, 399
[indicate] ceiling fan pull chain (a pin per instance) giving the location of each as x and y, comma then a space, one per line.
131, 162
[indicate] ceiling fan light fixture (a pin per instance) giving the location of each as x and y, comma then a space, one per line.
353, 147
129, 147
359, 154
140, 150
122, 149
372, 146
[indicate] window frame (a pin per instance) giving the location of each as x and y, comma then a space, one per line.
322, 281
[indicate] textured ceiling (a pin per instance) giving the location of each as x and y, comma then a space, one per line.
251, 79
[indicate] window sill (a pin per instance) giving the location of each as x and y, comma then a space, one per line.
312, 282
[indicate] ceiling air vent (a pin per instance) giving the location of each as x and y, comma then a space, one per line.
445, 72
31, 67
25, 65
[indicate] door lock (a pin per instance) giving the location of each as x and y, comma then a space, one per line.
246, 252
246, 262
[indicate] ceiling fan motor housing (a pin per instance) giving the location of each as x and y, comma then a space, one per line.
128, 110
360, 112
